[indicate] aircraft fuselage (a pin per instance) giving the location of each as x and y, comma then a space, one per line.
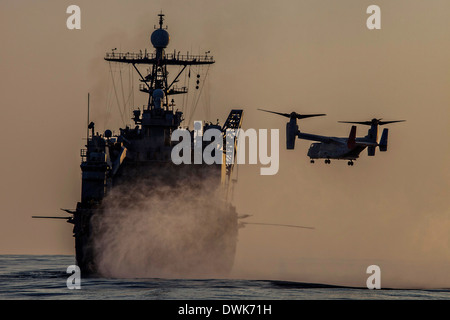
321, 150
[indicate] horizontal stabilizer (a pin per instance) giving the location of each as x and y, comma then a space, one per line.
366, 144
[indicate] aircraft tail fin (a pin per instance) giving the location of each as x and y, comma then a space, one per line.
351, 142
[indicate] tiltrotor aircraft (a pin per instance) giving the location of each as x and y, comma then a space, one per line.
333, 147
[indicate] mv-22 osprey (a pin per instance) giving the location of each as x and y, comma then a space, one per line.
333, 147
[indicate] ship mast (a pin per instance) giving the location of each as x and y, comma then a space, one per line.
156, 82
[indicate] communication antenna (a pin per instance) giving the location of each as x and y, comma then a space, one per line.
87, 127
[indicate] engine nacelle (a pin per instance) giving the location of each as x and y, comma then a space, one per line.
291, 134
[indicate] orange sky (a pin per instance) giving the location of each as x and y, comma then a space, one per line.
304, 56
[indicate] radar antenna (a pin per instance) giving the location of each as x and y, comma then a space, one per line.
161, 19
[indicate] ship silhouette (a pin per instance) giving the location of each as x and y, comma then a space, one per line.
188, 225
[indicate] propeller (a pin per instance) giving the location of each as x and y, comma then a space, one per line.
372, 122
295, 115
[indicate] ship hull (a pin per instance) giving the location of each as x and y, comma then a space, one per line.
141, 215
159, 220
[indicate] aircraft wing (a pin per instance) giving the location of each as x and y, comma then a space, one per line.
334, 140
324, 139
351, 141
365, 143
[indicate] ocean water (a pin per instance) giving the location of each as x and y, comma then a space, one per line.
44, 277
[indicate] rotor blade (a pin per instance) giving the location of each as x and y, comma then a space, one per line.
278, 225
367, 123
387, 122
41, 217
294, 114
374, 121
287, 115
303, 116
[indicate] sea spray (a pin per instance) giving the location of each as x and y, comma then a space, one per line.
172, 226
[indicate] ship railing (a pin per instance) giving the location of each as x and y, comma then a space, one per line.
188, 57
150, 56
129, 55
166, 107
175, 90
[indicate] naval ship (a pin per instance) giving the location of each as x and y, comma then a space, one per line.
183, 218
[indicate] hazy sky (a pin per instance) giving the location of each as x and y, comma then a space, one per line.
298, 55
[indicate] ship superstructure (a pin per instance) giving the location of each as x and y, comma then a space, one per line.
142, 154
